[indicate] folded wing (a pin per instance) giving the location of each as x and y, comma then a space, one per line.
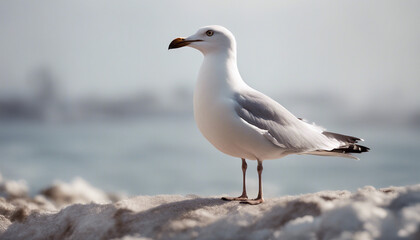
286, 131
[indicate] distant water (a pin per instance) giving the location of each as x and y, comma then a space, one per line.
169, 156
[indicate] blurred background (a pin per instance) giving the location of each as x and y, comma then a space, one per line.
89, 89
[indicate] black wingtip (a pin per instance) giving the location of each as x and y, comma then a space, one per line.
352, 148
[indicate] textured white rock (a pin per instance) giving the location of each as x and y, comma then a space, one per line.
369, 213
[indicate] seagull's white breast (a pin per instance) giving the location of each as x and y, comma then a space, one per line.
214, 113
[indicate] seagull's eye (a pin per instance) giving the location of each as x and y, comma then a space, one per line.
209, 33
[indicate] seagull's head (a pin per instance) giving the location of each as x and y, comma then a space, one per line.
208, 39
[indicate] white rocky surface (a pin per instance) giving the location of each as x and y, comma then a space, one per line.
80, 211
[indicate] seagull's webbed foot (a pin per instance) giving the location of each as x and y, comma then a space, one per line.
255, 201
240, 198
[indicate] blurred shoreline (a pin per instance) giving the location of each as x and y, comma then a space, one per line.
44, 102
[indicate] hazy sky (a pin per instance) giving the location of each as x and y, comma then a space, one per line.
367, 51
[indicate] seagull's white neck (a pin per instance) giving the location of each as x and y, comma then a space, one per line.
219, 71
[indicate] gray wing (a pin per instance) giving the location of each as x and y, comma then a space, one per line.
281, 127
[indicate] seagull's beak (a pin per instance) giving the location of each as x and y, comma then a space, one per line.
181, 42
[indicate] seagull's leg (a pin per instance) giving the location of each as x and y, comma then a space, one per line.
259, 198
244, 167
243, 196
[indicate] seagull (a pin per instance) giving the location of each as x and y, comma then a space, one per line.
243, 122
